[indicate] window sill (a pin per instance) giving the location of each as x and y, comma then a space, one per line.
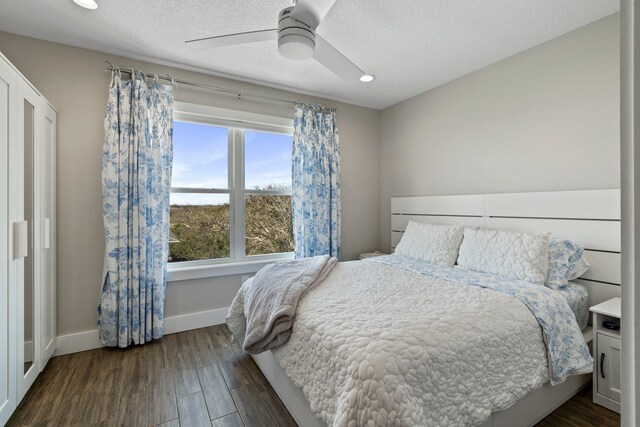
177, 273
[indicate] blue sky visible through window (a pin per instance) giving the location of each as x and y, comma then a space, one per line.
200, 160
267, 159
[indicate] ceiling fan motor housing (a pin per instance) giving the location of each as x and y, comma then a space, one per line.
296, 40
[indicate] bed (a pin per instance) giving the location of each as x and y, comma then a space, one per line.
390, 342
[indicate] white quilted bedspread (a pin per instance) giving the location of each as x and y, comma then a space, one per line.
377, 345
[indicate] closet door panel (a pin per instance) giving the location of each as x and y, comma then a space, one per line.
8, 297
48, 230
25, 208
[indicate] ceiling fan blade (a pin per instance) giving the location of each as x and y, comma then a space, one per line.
311, 12
335, 61
233, 39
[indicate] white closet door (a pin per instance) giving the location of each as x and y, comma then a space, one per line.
24, 211
8, 297
48, 230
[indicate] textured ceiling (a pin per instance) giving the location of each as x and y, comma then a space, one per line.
411, 45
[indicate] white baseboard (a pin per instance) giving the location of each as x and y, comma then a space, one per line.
190, 321
81, 341
88, 340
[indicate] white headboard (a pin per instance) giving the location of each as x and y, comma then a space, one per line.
589, 217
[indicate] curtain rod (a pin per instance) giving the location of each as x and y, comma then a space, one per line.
240, 94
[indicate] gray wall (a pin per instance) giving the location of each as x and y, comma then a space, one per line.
74, 81
544, 119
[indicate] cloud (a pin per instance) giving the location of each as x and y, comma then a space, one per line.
284, 156
198, 199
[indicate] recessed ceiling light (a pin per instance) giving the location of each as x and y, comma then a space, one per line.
87, 4
367, 78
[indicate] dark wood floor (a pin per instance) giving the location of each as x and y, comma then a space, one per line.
191, 379
580, 411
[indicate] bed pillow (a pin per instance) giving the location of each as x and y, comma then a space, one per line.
507, 254
579, 269
435, 244
564, 257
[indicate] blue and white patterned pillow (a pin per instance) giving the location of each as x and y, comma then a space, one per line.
581, 267
564, 255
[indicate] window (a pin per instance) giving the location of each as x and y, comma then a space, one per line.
231, 190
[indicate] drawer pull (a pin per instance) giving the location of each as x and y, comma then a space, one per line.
602, 365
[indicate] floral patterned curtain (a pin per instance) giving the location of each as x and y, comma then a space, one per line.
316, 182
136, 182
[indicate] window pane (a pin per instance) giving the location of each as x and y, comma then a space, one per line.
267, 158
200, 224
268, 224
200, 156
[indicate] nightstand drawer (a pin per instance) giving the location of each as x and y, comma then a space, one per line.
608, 366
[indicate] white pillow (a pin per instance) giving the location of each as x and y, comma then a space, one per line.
435, 244
508, 254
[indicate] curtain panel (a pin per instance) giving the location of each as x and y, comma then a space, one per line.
316, 182
136, 183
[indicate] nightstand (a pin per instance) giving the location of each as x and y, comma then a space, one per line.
371, 254
606, 354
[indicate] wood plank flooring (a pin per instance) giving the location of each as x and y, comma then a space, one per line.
194, 378
580, 411
191, 379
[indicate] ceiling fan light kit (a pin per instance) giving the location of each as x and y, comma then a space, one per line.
87, 4
297, 39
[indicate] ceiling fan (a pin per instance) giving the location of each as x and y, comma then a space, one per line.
297, 39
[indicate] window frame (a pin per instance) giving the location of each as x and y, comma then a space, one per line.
237, 122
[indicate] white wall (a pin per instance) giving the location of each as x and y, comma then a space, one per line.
74, 81
544, 119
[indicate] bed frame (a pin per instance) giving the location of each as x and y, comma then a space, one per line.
589, 217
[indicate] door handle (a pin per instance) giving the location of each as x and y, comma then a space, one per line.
46, 233
602, 365
20, 239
